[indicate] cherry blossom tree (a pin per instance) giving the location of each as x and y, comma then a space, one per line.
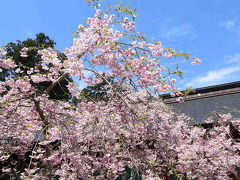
132, 131
27, 61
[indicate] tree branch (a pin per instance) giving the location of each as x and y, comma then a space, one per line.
55, 83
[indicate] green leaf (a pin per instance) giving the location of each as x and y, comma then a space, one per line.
99, 43
120, 3
107, 28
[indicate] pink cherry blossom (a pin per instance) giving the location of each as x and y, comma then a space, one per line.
131, 128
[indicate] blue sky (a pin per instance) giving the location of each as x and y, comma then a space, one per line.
209, 29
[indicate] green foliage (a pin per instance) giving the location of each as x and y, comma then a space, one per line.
188, 90
130, 174
97, 92
238, 172
41, 41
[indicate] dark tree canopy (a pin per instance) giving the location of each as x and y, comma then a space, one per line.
95, 93
98, 92
41, 41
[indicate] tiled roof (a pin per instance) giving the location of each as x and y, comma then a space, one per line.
201, 104
205, 92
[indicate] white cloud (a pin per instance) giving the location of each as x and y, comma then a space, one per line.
182, 31
232, 58
214, 77
229, 24
28, 32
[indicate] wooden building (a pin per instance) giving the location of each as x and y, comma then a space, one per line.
203, 102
